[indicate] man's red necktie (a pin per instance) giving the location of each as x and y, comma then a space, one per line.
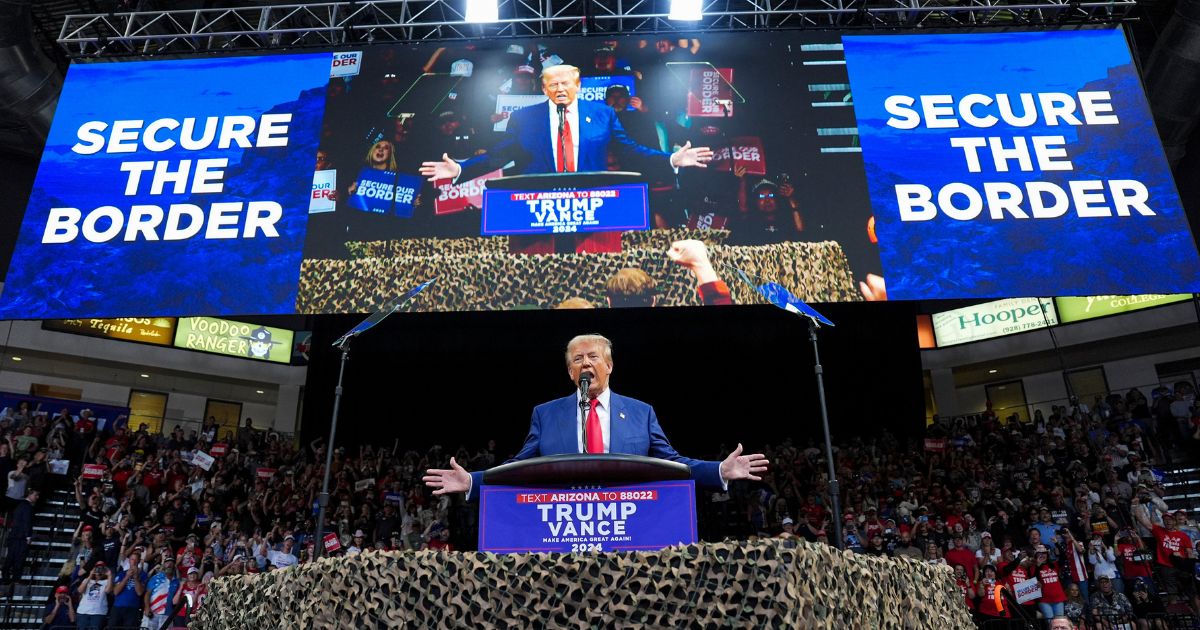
566, 153
595, 438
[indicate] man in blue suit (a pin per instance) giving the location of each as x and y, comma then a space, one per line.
614, 424
541, 139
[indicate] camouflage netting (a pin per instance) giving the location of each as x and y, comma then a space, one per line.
769, 583
479, 274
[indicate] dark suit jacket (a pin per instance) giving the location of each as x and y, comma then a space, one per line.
21, 525
633, 429
529, 143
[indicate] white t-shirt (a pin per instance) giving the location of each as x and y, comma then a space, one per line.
94, 600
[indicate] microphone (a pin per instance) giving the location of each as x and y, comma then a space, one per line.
585, 384
562, 117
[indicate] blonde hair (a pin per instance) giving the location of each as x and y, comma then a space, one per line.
631, 287
391, 163
562, 66
590, 338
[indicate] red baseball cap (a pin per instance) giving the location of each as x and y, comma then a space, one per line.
100, 563
87, 528
60, 590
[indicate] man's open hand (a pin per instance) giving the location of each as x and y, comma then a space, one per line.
738, 466
442, 169
687, 155
445, 481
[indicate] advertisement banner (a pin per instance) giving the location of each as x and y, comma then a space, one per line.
385, 192
323, 188
235, 339
992, 319
996, 161
159, 331
636, 517
709, 94
611, 208
1077, 309
744, 152
460, 196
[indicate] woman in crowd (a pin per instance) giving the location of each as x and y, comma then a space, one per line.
1076, 607
1050, 604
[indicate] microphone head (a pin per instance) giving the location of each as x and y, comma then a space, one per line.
585, 379
561, 109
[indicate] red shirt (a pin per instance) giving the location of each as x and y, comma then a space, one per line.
438, 544
1130, 568
990, 602
1052, 590
1170, 542
963, 557
1019, 575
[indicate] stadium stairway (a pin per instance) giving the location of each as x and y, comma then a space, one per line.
1182, 486
22, 602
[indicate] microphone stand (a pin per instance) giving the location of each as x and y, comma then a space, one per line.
562, 123
583, 410
779, 296
343, 344
832, 469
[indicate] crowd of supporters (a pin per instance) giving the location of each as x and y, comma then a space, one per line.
1072, 501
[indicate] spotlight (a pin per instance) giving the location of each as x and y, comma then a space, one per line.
686, 10
991, 371
480, 11
17, 359
144, 375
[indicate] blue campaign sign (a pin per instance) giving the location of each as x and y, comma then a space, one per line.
611, 208
594, 88
1015, 164
636, 517
178, 186
385, 192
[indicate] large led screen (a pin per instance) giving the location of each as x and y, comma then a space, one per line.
863, 167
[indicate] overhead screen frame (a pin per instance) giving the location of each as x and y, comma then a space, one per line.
586, 42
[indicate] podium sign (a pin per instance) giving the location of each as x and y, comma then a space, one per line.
646, 516
604, 209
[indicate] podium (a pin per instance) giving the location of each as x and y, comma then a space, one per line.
577, 502
565, 203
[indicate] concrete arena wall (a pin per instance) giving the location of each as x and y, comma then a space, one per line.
770, 583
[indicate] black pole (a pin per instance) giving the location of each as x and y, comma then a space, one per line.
833, 482
323, 498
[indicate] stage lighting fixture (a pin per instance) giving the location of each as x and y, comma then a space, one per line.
686, 10
992, 371
481, 11
144, 375
17, 359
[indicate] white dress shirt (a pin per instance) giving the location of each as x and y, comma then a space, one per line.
573, 121
602, 410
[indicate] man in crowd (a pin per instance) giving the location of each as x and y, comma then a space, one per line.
20, 534
627, 426
128, 590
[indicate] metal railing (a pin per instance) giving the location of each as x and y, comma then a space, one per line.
329, 24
